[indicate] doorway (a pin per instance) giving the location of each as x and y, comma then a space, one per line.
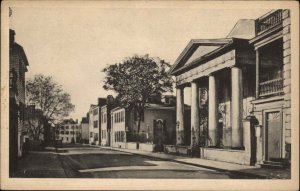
273, 135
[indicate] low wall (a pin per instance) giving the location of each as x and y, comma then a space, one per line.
226, 155
146, 147
119, 145
179, 150
131, 145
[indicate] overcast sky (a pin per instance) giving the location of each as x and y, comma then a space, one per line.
74, 44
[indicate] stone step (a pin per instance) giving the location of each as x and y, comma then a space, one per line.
273, 164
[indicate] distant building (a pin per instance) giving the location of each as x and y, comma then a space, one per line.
106, 121
84, 125
157, 126
17, 68
94, 122
70, 131
121, 121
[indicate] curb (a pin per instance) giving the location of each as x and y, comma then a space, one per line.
254, 176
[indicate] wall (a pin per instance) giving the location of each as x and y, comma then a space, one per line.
85, 131
92, 117
67, 138
120, 126
233, 156
104, 126
152, 114
287, 77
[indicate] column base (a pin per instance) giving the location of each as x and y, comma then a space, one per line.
180, 137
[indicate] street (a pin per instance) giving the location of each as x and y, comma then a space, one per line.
101, 163
84, 161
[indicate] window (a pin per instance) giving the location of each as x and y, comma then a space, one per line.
95, 111
95, 124
62, 132
67, 127
72, 127
67, 138
104, 117
96, 136
67, 132
72, 132
91, 134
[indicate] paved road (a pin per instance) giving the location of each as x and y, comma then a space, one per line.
102, 163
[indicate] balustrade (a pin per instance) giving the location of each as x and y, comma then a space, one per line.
271, 87
269, 21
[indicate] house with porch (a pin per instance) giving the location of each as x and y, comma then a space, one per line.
272, 103
234, 80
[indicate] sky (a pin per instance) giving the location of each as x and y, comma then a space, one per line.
74, 44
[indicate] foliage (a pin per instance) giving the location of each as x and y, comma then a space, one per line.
48, 97
136, 79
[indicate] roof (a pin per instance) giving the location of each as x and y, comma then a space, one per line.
116, 108
244, 29
224, 44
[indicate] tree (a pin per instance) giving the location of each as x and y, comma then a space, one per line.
136, 79
48, 97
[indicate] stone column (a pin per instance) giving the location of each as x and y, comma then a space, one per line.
212, 109
195, 121
236, 105
179, 116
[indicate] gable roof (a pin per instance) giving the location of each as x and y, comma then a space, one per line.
192, 47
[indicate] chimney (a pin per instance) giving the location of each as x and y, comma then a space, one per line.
101, 101
110, 100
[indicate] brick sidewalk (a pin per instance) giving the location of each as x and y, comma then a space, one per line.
252, 171
40, 165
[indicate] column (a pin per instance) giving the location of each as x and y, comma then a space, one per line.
212, 109
257, 75
195, 121
179, 116
237, 107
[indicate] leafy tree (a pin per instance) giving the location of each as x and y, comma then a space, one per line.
49, 98
34, 123
136, 79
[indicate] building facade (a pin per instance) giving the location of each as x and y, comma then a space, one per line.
272, 104
70, 131
94, 125
157, 126
240, 92
84, 126
105, 121
121, 120
18, 64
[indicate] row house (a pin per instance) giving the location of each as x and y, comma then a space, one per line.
70, 131
94, 124
18, 64
95, 119
105, 122
240, 92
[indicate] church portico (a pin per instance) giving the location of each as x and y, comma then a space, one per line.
217, 96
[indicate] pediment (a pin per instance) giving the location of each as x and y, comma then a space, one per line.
196, 49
